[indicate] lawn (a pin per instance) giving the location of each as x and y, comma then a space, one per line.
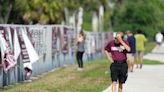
149, 46
68, 79
152, 62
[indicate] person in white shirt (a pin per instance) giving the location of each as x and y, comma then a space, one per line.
159, 38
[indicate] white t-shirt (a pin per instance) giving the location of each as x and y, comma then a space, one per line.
159, 37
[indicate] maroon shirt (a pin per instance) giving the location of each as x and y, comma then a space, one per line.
117, 50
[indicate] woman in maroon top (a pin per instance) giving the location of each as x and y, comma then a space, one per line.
116, 53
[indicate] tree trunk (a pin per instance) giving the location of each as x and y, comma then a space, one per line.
4, 19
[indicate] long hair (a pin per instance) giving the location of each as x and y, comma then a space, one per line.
83, 34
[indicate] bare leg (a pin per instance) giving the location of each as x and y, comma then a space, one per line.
141, 62
129, 65
137, 61
120, 87
132, 64
114, 86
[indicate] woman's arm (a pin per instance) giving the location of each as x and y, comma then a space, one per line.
109, 56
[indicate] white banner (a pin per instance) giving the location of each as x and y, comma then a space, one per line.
30, 49
7, 55
17, 49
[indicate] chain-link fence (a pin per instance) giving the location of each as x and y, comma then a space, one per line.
45, 47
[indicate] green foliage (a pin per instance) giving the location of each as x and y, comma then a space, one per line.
107, 18
50, 11
5, 9
91, 6
152, 62
149, 46
87, 25
35, 11
43, 12
146, 15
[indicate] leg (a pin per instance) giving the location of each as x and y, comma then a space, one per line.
141, 59
114, 86
141, 62
114, 76
137, 61
81, 59
77, 58
129, 62
120, 87
123, 76
137, 56
132, 63
129, 65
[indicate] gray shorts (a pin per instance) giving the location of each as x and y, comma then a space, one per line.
130, 55
139, 53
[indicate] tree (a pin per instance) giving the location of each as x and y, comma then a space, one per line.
46, 11
146, 15
5, 9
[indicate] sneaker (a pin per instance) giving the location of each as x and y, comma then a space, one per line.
79, 69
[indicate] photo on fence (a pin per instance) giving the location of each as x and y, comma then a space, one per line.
64, 41
56, 40
37, 36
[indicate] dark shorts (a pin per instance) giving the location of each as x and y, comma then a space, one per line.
119, 71
159, 43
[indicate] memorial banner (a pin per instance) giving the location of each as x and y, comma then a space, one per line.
7, 54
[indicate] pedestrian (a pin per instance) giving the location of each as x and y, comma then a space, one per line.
116, 51
132, 43
159, 38
80, 49
140, 40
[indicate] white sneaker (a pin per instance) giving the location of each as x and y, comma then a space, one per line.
79, 69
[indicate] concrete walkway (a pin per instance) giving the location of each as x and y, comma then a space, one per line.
159, 49
148, 79
157, 54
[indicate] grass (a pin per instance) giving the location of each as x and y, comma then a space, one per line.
152, 62
68, 79
149, 46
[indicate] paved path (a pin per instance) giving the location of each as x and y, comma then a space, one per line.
159, 49
157, 54
148, 79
